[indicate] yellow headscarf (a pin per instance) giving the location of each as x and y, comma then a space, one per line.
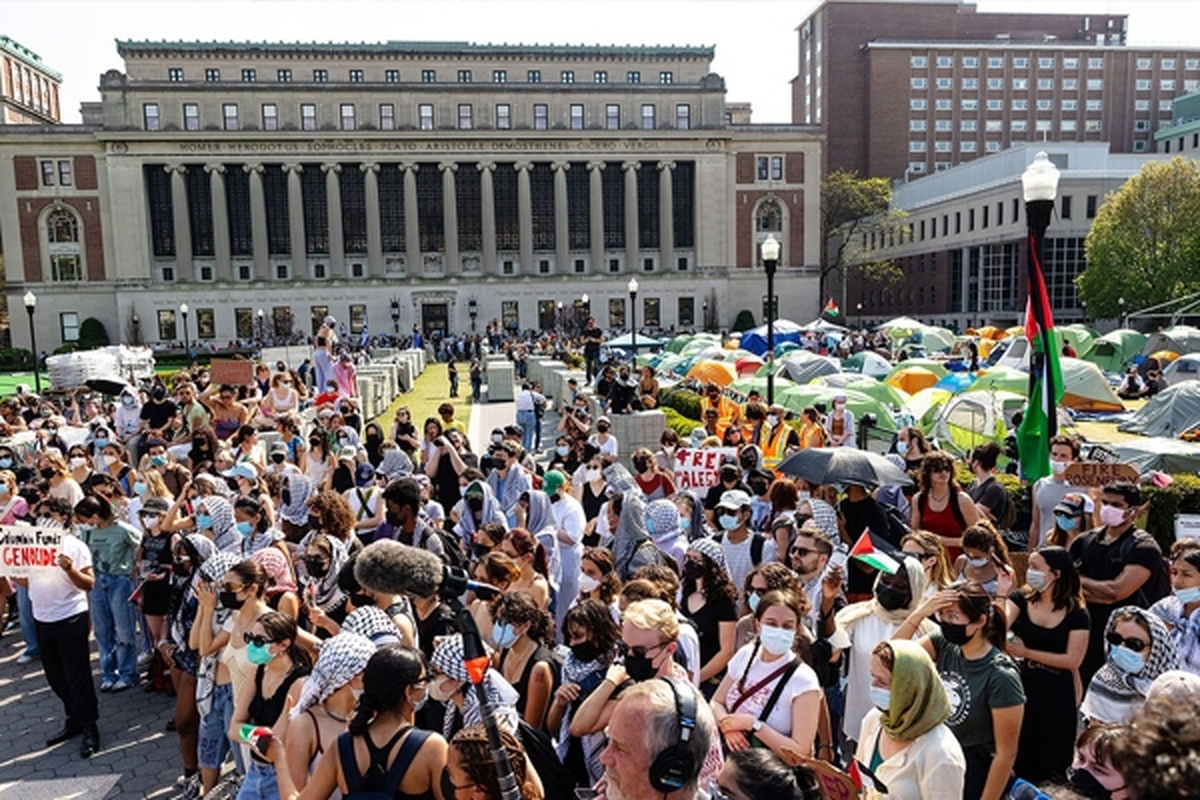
919, 702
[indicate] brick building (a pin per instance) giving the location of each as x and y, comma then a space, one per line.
28, 88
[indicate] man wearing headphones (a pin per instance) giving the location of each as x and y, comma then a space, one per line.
658, 738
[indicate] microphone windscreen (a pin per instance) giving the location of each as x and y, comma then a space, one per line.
389, 567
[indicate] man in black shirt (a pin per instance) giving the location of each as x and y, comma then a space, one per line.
157, 420
991, 498
592, 338
860, 512
730, 479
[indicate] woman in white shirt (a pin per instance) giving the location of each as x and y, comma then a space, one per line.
768, 694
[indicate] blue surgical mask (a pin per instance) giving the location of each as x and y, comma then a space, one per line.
504, 635
1126, 660
1186, 596
140, 488
685, 525
204, 522
258, 655
245, 528
158, 461
752, 602
1037, 579
417, 706
881, 697
728, 522
562, 450
100, 443
978, 563
776, 641
3, 490
651, 526
6, 463
1066, 523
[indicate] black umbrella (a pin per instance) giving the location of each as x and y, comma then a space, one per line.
819, 465
112, 386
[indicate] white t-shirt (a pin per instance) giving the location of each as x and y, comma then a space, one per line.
864, 634
51, 593
780, 719
738, 557
607, 448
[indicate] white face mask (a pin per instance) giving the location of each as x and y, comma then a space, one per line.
593, 474
439, 693
772, 420
1058, 467
77, 462
587, 584
110, 460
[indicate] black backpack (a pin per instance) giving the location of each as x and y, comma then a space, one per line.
380, 781
452, 548
539, 749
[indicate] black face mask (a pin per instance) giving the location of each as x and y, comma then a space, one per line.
448, 788
279, 458
286, 496
693, 571
182, 568
759, 488
480, 550
954, 634
316, 569
1087, 784
748, 463
47, 472
640, 669
602, 428
891, 598
475, 504
362, 600
230, 600
641, 464
585, 652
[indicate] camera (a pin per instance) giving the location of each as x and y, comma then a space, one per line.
441, 441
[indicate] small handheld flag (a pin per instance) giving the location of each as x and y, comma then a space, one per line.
864, 550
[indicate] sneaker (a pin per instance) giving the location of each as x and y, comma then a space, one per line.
119, 686
25, 658
106, 685
144, 660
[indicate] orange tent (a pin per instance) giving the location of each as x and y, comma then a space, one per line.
1165, 356
719, 372
912, 379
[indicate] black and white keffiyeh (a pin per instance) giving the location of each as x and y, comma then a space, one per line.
448, 659
1113, 695
338, 661
373, 623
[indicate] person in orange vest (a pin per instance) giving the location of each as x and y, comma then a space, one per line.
776, 436
729, 412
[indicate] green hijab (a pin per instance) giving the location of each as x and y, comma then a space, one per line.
919, 702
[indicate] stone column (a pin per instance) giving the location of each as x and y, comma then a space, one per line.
525, 216
596, 215
487, 194
258, 221
666, 216
562, 229
374, 223
412, 224
631, 216
182, 222
220, 214
450, 217
299, 241
337, 235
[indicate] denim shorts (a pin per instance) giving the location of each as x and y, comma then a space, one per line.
214, 728
259, 783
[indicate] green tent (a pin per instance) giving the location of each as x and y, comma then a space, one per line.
1081, 337
1113, 351
1003, 379
931, 364
923, 406
869, 363
974, 418
882, 392
797, 398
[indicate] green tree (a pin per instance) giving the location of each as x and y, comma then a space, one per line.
1144, 245
744, 322
855, 209
92, 334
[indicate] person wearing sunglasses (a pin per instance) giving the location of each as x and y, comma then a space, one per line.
927, 549
1138, 649
942, 507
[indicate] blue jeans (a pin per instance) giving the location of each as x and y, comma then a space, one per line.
214, 729
528, 422
114, 620
259, 783
28, 626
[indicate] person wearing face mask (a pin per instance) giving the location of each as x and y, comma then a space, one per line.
589, 485
985, 560
904, 744
669, 444
449, 684
653, 483
839, 425
280, 667
153, 564
769, 696
987, 703
776, 437
174, 476
604, 441
1070, 517
1181, 609
522, 632
78, 463
1049, 491
598, 579
743, 549
507, 479
1049, 632
709, 601
1139, 650
1119, 564
860, 626
1093, 773
53, 469
127, 419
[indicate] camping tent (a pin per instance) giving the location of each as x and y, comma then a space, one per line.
912, 379
1171, 412
1115, 349
1086, 389
625, 342
1184, 368
1081, 338
973, 418
934, 366
868, 386
924, 405
755, 339
869, 363
722, 373
1179, 339
797, 398
1003, 378
802, 366
1165, 455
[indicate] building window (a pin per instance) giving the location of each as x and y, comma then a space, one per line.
541, 116
244, 273
683, 116
428, 76
968, 125
191, 117
567, 76
944, 104
1020, 84
995, 105
206, 324
510, 317
249, 75
49, 175
358, 317
387, 117
995, 62
243, 323
150, 119
776, 168
1143, 63
425, 116
1095, 84
1021, 63
499, 76
229, 113
763, 168
1045, 63
945, 62
1045, 105
503, 116
918, 104
970, 105
918, 83
967, 147
1095, 105
356, 76
612, 117
1045, 84
1139, 147
1019, 126
995, 83
507, 268
970, 62
651, 311
308, 116
1070, 105
916, 125
666, 77
175, 74
166, 325
1167, 85
465, 121
1091, 206
68, 326
1070, 84
686, 313
348, 116
616, 312
283, 75
391, 76
944, 83
464, 76
62, 237
577, 116
633, 77
1142, 85
648, 116
917, 147
1020, 105
1141, 105
918, 62
970, 84
212, 75
600, 76
1141, 125
1065, 207
943, 125
270, 117
320, 76
533, 76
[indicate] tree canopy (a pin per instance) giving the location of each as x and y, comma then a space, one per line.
855, 209
1144, 244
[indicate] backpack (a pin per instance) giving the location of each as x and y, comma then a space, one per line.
539, 749
452, 548
757, 542
378, 771
898, 526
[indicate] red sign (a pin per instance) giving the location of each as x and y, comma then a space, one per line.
699, 469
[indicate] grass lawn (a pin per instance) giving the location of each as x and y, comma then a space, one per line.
10, 380
430, 390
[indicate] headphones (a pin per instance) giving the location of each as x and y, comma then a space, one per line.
675, 767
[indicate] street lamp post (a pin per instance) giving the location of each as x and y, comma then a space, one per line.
770, 257
633, 289
396, 316
858, 308
1039, 184
137, 329
472, 312
1121, 312
261, 327
704, 314
187, 345
30, 306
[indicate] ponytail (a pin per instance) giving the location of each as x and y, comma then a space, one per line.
364, 712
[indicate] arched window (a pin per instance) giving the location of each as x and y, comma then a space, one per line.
63, 247
769, 218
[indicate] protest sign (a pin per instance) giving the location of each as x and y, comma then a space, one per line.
699, 469
25, 550
1089, 473
231, 371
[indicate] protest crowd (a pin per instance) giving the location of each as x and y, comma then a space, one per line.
262, 553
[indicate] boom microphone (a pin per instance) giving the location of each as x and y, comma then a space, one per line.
389, 567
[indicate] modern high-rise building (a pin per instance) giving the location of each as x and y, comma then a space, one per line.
439, 185
906, 88
28, 88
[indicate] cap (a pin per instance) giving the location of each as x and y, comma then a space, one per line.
1072, 504
349, 452
603, 419
765, 474
242, 469
474, 489
364, 474
155, 504
513, 430
735, 499
552, 481
279, 447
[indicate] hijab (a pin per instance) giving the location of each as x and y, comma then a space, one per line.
856, 611
492, 512
326, 593
276, 565
295, 508
919, 700
224, 530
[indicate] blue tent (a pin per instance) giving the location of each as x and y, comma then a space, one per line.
755, 339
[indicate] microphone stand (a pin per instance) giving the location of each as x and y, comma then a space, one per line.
475, 658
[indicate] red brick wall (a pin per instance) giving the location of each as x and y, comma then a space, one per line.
793, 203
85, 173
794, 167
31, 249
26, 170
93, 235
88, 209
745, 168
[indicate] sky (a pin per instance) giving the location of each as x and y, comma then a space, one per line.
755, 40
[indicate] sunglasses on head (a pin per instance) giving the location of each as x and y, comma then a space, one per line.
638, 651
258, 641
1117, 640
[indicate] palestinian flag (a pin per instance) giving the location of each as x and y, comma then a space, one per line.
864, 550
831, 310
855, 774
1040, 421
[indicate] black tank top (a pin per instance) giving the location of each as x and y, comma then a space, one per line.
266, 710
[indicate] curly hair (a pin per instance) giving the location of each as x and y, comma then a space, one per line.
932, 462
519, 608
1159, 756
778, 578
716, 581
594, 617
334, 512
663, 577
475, 756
